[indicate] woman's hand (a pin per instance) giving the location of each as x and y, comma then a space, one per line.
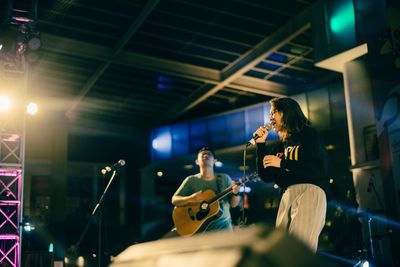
262, 133
271, 161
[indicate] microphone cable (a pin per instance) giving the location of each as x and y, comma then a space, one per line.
243, 219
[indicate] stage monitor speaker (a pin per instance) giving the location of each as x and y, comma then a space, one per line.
249, 247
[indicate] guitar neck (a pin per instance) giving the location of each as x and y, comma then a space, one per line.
224, 193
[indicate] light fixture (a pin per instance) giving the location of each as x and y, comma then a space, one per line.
80, 261
5, 103
32, 108
28, 227
218, 164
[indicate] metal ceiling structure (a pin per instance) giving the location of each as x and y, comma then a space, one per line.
152, 62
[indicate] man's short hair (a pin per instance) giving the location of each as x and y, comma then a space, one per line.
206, 148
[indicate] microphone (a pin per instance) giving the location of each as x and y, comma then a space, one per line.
252, 141
106, 169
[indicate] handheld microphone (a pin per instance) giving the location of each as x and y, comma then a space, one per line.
106, 169
252, 141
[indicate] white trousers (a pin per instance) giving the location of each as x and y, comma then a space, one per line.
302, 213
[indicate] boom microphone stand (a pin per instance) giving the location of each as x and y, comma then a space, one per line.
99, 208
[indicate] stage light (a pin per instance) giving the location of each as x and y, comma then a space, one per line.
31, 108
162, 142
330, 147
28, 227
160, 173
188, 166
342, 18
218, 164
5, 103
80, 261
245, 189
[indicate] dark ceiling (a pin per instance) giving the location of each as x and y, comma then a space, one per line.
147, 63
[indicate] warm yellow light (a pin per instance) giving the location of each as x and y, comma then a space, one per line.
80, 261
330, 147
32, 108
5, 103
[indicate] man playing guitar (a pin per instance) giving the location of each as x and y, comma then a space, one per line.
191, 200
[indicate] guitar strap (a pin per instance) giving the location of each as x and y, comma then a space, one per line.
219, 187
219, 183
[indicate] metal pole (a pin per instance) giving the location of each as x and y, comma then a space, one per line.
370, 238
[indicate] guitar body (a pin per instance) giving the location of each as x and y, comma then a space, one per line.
192, 219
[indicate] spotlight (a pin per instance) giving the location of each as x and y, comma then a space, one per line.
31, 108
80, 261
5, 103
218, 164
28, 227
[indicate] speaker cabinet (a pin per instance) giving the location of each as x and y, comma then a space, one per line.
253, 246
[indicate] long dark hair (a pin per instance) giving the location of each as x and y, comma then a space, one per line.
293, 119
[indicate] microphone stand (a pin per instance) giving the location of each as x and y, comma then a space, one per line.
98, 207
373, 252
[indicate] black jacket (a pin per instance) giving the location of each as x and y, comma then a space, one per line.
303, 160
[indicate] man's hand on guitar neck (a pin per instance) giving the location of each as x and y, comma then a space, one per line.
181, 201
234, 200
235, 189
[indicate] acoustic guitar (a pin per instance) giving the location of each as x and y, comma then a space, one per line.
192, 219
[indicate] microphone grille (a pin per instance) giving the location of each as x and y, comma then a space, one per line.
121, 162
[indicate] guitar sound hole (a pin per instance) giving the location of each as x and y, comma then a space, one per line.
202, 214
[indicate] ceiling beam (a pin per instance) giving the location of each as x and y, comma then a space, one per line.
116, 51
247, 61
71, 47
56, 44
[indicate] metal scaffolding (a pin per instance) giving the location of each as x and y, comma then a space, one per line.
12, 153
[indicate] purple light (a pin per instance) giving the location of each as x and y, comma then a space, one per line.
6, 172
22, 19
9, 237
11, 138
